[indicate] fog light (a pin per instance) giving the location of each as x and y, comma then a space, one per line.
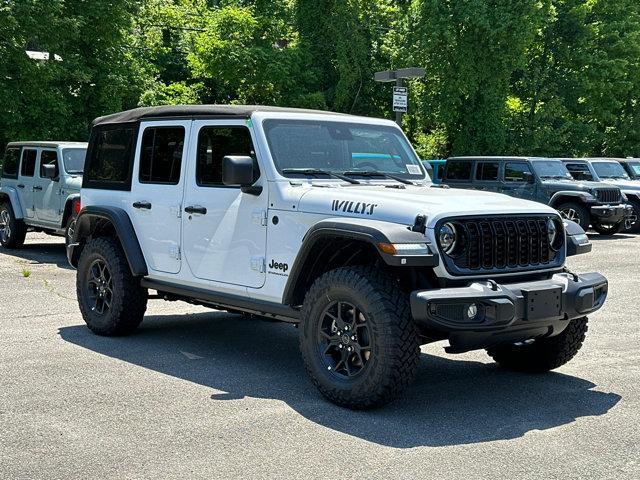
472, 311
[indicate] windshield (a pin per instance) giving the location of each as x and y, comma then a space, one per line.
610, 170
341, 147
73, 159
551, 169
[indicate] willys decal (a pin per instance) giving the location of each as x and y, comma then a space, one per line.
360, 208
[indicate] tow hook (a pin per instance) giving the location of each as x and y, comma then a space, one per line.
573, 275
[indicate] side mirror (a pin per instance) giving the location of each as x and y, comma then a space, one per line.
528, 177
50, 171
239, 171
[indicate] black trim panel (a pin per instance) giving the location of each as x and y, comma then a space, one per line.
226, 300
124, 230
370, 231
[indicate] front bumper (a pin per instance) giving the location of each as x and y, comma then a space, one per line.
507, 313
610, 213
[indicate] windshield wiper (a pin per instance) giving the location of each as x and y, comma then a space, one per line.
372, 173
313, 172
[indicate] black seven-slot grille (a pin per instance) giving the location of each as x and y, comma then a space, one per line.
503, 244
608, 195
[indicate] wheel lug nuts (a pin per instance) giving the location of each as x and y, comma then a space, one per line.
341, 346
349, 349
353, 337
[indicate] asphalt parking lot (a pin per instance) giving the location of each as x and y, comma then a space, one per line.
201, 394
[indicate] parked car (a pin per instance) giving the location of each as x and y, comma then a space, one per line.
437, 169
609, 171
40, 189
545, 181
267, 211
631, 166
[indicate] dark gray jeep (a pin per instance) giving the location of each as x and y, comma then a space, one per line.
546, 181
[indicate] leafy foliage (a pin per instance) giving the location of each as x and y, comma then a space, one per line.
533, 77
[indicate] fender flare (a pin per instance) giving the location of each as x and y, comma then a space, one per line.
124, 230
369, 231
573, 234
68, 203
14, 200
582, 196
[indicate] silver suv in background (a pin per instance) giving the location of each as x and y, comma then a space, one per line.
40, 189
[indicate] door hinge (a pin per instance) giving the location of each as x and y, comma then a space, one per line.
174, 251
260, 218
258, 264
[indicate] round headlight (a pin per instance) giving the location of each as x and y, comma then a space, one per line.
552, 231
447, 237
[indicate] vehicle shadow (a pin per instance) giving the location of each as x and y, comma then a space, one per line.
41, 253
618, 236
452, 402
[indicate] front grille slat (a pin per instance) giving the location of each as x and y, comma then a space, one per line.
608, 195
505, 243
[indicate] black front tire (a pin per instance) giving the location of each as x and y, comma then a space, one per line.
635, 226
383, 312
111, 299
576, 212
544, 354
12, 230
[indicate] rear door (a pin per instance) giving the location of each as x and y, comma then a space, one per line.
157, 190
46, 193
486, 176
26, 181
224, 229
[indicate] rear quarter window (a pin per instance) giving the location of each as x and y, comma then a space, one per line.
10, 161
110, 158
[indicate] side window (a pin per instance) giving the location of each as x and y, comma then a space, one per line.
487, 171
28, 166
516, 172
579, 171
10, 163
110, 161
48, 157
161, 155
458, 170
215, 143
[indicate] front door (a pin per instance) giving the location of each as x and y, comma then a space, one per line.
158, 186
46, 192
518, 181
25, 181
224, 229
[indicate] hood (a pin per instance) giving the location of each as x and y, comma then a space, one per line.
403, 205
624, 184
73, 182
568, 184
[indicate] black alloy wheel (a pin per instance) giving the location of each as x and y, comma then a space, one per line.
344, 340
99, 286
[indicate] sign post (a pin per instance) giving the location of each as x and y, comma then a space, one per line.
400, 92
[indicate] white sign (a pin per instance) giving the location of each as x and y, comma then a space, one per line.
400, 99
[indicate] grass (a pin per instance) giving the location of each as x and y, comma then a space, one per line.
26, 273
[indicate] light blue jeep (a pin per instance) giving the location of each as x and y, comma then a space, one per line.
40, 189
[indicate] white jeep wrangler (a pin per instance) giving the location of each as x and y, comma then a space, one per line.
329, 222
40, 189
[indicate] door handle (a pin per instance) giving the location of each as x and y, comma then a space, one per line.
196, 209
20, 185
37, 188
142, 205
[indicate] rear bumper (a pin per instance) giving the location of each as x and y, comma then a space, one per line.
507, 313
610, 213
